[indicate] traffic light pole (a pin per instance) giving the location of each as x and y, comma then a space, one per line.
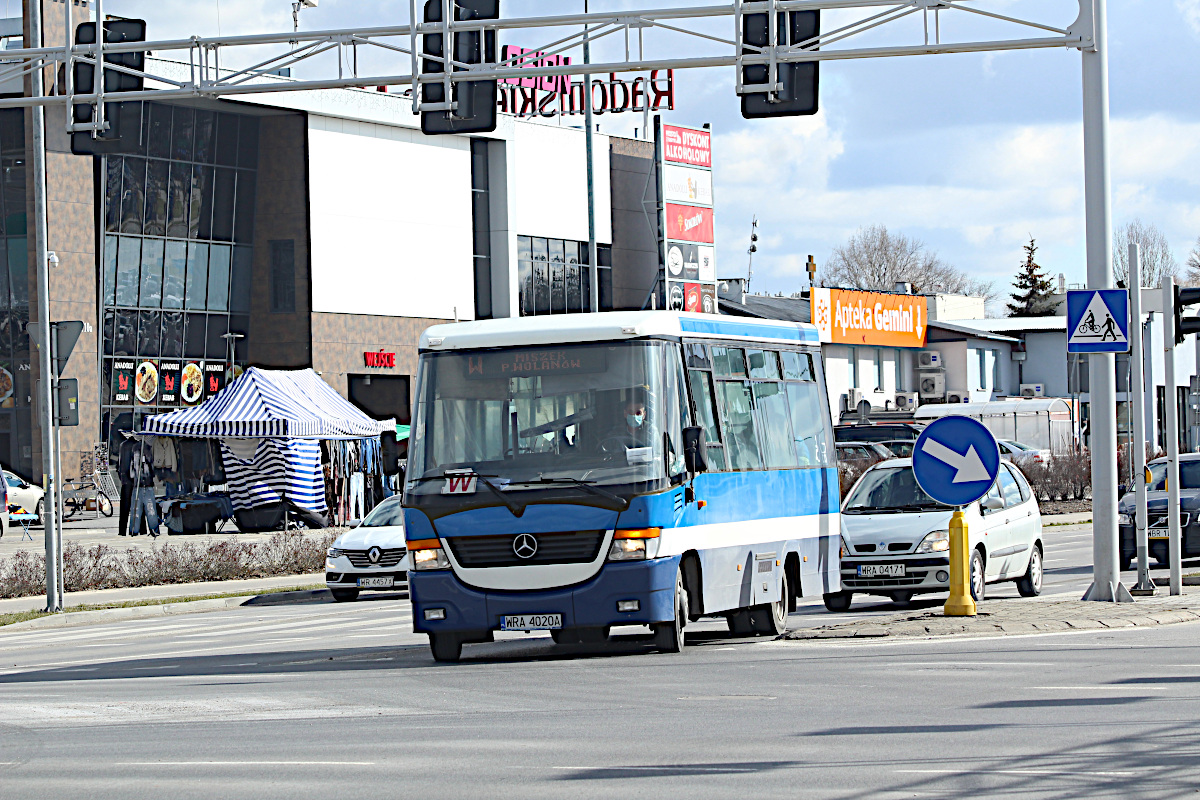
1137, 438
1171, 435
1106, 573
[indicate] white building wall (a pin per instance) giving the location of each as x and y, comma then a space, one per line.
549, 194
390, 220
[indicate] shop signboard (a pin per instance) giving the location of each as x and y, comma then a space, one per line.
191, 383
145, 383
845, 316
168, 382
122, 386
214, 377
687, 218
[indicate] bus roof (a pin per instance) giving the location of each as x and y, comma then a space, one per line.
557, 329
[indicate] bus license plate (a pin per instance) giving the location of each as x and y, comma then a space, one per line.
881, 570
1158, 533
531, 622
376, 583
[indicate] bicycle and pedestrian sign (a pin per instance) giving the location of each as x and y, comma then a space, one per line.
1098, 321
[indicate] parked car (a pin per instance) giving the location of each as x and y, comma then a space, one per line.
371, 555
862, 452
1156, 506
884, 432
900, 449
27, 496
1022, 453
896, 539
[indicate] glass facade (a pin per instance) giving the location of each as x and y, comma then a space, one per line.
177, 257
16, 443
554, 277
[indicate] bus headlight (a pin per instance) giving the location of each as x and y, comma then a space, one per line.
936, 542
426, 554
638, 544
1124, 519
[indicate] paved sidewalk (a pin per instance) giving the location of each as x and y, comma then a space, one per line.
1018, 616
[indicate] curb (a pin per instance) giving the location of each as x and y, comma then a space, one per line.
302, 597
76, 619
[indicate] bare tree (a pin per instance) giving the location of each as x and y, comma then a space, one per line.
1158, 261
876, 260
1193, 264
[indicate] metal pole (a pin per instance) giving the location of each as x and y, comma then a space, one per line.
54, 599
593, 257
1171, 437
960, 603
1137, 422
1106, 575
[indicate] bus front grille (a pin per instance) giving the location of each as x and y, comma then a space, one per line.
573, 547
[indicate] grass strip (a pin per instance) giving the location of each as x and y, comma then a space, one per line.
1061, 524
24, 616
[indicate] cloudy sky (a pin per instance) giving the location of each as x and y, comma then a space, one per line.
971, 153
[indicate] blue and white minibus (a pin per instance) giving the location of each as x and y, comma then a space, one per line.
577, 473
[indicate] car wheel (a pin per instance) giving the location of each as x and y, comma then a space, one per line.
902, 598
446, 647
772, 618
668, 636
344, 595
838, 601
38, 512
1030, 585
978, 582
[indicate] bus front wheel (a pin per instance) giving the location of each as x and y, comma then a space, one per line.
446, 647
668, 636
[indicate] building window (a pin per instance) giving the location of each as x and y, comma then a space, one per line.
554, 277
853, 362
878, 370
995, 370
981, 359
283, 275
901, 384
482, 225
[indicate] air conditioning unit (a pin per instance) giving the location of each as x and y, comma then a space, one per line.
933, 386
906, 401
1033, 390
853, 398
958, 396
929, 359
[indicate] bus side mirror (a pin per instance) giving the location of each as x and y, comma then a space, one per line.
693, 450
389, 452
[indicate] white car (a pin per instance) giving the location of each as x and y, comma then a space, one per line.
896, 540
1022, 453
25, 495
371, 555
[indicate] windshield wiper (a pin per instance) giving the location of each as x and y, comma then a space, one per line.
587, 487
516, 510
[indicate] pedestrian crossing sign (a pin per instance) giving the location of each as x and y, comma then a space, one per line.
1098, 321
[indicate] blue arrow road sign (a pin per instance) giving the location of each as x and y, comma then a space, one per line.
956, 460
1098, 321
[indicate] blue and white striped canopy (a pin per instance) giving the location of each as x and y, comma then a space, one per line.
266, 403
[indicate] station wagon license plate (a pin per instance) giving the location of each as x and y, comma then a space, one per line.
531, 622
1158, 533
376, 583
881, 570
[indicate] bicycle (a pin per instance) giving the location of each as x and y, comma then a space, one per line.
77, 494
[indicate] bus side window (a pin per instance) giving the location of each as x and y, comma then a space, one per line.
737, 413
808, 412
706, 417
774, 428
675, 411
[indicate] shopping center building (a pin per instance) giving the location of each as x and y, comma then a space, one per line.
308, 229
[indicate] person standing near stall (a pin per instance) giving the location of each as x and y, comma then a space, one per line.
141, 473
125, 454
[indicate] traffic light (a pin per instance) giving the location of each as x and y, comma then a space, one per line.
476, 111
798, 95
1185, 297
124, 118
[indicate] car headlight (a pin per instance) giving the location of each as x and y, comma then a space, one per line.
334, 552
1124, 519
426, 554
640, 544
936, 542
845, 551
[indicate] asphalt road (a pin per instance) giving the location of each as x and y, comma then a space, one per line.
310, 700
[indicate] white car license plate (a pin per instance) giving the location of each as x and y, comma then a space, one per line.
881, 570
376, 583
531, 622
1159, 533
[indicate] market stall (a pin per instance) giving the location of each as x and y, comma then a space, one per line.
289, 445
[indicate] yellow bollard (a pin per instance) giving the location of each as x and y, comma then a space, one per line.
960, 603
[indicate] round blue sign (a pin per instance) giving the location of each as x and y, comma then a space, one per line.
956, 460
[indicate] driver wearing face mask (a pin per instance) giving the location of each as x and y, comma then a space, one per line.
634, 430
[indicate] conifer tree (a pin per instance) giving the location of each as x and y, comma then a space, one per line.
1034, 289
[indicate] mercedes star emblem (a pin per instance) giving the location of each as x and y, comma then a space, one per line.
373, 554
525, 546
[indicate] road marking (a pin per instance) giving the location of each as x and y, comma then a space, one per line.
1070, 773
727, 697
243, 763
1127, 688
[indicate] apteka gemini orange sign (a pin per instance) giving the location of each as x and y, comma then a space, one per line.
844, 316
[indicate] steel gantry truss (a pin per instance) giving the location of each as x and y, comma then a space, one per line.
237, 65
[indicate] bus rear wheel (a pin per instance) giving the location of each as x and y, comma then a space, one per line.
446, 647
668, 636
